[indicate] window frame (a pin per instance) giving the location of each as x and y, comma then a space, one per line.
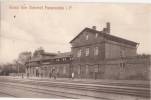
87, 37
87, 51
64, 69
122, 52
79, 70
122, 65
96, 35
96, 51
79, 53
87, 69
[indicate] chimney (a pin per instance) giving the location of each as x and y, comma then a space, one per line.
94, 27
108, 27
104, 29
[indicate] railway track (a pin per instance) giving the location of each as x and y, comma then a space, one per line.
102, 83
124, 90
135, 91
42, 90
31, 89
7, 94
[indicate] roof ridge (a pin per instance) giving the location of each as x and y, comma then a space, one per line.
108, 36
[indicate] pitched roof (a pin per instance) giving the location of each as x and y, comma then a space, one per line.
49, 54
107, 36
35, 59
65, 54
60, 55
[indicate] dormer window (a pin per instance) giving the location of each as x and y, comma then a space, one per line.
87, 37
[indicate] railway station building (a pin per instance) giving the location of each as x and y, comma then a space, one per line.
95, 55
46, 64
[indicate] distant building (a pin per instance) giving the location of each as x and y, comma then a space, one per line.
96, 55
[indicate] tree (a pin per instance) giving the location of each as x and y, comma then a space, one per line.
7, 68
22, 59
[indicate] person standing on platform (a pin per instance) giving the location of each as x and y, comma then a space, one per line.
72, 75
54, 73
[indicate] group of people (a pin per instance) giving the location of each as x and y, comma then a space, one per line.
54, 75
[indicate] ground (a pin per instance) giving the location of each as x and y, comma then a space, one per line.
73, 89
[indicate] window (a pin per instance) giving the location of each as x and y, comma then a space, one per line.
57, 69
64, 59
122, 53
96, 68
122, 65
96, 51
58, 59
87, 69
71, 58
87, 37
79, 53
64, 69
33, 70
79, 69
96, 35
87, 52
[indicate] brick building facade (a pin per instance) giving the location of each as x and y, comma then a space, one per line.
99, 55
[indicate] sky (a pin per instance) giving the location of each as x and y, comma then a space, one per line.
26, 26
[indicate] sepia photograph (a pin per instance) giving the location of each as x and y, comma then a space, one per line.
75, 50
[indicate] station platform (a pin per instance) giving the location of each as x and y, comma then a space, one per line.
92, 81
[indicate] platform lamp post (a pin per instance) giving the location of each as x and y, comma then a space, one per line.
28, 68
17, 68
